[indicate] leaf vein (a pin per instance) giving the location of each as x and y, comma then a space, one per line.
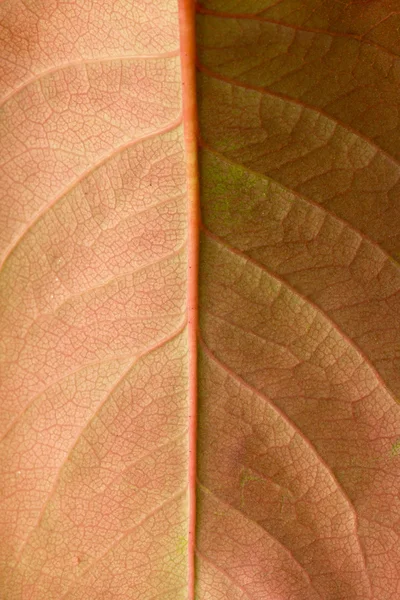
81, 62
321, 207
115, 386
306, 300
311, 446
249, 17
305, 106
82, 177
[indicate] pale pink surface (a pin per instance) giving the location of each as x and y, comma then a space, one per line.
94, 448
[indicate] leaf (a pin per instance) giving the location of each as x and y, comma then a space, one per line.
263, 464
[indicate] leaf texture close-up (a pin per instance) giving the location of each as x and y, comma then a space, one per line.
200, 300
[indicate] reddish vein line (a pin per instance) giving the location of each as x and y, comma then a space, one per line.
269, 91
307, 300
188, 56
327, 212
81, 177
116, 384
79, 63
224, 573
202, 10
311, 447
124, 535
359, 37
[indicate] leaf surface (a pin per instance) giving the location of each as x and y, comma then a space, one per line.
93, 300
299, 284
269, 455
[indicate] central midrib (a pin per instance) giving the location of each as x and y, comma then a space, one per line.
188, 55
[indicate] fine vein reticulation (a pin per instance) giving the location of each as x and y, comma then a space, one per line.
199, 300
299, 287
93, 300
